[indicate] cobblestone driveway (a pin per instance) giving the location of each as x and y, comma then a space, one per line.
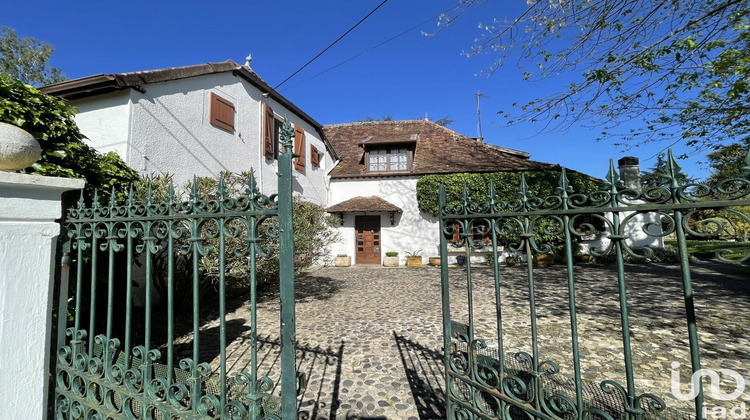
370, 337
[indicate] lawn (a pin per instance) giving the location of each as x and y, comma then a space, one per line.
708, 249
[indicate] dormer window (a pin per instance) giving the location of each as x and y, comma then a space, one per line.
397, 159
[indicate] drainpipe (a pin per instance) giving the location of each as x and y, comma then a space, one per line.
630, 172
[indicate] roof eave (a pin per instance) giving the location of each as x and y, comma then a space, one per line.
268, 91
81, 88
550, 167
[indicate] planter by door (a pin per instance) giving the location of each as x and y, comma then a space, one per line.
390, 261
413, 261
544, 260
342, 261
367, 239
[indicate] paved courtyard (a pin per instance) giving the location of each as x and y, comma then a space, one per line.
370, 338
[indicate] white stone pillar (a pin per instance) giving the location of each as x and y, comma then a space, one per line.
29, 206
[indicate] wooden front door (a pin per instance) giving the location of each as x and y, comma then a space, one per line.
367, 239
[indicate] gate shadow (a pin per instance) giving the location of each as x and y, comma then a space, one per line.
321, 366
424, 371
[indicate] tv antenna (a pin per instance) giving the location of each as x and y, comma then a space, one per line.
479, 114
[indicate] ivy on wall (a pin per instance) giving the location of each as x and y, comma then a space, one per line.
507, 186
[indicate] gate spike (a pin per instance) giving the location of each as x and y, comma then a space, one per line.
252, 188
564, 188
465, 198
149, 193
80, 200
492, 197
221, 190
673, 169
194, 195
112, 201
523, 188
131, 198
170, 192
95, 204
613, 179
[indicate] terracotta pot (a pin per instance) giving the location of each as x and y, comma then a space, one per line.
544, 260
413, 261
435, 261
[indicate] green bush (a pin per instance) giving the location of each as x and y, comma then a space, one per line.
314, 232
64, 153
548, 231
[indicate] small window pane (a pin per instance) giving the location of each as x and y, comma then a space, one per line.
399, 160
378, 159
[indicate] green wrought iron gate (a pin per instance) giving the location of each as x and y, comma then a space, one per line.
486, 378
114, 367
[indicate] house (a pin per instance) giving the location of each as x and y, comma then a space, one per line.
199, 120
208, 118
373, 188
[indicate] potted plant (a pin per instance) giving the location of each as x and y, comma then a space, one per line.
512, 260
391, 259
434, 261
342, 260
461, 260
544, 260
490, 259
413, 259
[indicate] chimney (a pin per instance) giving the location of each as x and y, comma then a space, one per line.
630, 172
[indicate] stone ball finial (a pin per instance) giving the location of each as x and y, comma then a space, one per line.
18, 148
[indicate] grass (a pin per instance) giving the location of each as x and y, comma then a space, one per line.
708, 249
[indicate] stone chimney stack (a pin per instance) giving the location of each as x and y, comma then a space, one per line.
630, 172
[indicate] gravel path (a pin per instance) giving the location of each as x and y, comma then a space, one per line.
370, 338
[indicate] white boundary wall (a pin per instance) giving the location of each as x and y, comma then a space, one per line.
29, 206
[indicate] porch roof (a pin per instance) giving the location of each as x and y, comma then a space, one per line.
364, 204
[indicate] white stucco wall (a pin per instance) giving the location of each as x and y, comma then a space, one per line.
29, 205
105, 121
167, 129
412, 230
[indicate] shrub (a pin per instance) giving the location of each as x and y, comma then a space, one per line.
313, 235
391, 254
64, 153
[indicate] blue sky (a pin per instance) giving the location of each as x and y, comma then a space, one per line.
409, 77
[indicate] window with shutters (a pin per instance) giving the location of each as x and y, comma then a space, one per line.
314, 157
272, 146
222, 113
299, 148
389, 160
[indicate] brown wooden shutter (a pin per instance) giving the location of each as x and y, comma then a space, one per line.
222, 113
299, 148
268, 131
314, 156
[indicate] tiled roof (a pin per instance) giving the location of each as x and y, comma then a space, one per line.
370, 204
139, 80
438, 149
